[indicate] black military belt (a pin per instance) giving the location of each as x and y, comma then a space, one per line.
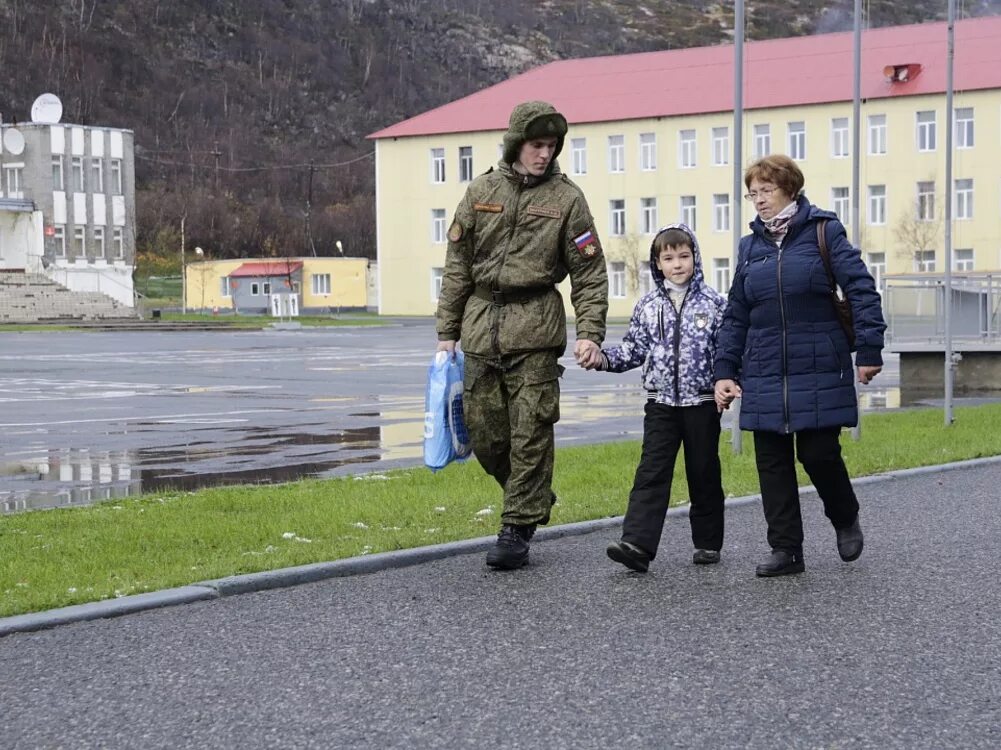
497, 297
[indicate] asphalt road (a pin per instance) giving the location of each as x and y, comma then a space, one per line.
897, 650
92, 416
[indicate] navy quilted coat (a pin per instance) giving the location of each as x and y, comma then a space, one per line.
781, 339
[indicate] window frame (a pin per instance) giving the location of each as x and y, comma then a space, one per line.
437, 156
616, 154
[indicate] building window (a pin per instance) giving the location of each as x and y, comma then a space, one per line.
255, 289
762, 141
616, 153
964, 199
721, 212
688, 211
797, 140
118, 243
877, 267
79, 242
57, 173
15, 178
438, 226
648, 151
224, 287
877, 134
839, 137
925, 261
645, 281
97, 174
926, 131
964, 127
76, 167
617, 280
721, 146
266, 288
59, 240
617, 219
98, 242
877, 204
465, 163
321, 283
648, 215
840, 203
926, 201
721, 274
437, 165
116, 176
578, 150
686, 149
962, 260
437, 274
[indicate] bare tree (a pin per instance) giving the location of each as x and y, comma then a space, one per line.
915, 234
632, 250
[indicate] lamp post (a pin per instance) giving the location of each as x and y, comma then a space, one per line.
201, 277
340, 247
184, 281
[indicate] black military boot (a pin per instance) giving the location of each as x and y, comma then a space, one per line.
511, 550
781, 562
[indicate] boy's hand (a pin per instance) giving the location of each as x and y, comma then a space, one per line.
725, 392
587, 353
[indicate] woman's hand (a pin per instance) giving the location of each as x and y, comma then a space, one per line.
725, 392
867, 373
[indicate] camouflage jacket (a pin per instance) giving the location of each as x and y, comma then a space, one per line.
521, 234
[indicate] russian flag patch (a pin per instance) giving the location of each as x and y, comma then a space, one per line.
587, 244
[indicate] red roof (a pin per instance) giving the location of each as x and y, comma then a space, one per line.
777, 73
268, 268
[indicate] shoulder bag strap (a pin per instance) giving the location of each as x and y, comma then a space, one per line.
824, 254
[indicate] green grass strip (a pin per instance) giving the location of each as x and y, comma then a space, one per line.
66, 556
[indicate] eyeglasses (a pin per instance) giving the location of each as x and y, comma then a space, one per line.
763, 192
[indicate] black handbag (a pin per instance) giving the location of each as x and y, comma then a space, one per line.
842, 307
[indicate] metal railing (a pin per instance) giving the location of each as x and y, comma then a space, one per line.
914, 307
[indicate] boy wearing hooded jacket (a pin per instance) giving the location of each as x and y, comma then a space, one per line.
672, 335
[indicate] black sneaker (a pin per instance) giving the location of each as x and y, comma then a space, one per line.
629, 555
705, 557
850, 542
781, 562
511, 550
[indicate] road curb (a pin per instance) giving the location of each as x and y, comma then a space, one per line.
285, 577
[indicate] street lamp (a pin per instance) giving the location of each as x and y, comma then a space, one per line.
340, 248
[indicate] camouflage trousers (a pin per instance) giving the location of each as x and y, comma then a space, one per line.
510, 408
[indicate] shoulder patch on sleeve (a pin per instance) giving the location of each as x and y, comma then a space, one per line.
455, 231
587, 244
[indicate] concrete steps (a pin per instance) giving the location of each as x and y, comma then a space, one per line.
35, 298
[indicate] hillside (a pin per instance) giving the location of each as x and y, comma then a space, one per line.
232, 100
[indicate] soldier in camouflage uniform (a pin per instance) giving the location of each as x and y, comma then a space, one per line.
519, 230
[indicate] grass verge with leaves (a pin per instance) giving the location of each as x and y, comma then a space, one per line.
72, 555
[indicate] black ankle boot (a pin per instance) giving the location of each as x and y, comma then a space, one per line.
629, 555
511, 550
781, 562
850, 541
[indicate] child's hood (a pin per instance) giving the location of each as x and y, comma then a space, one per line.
697, 276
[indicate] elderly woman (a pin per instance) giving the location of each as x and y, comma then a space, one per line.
783, 349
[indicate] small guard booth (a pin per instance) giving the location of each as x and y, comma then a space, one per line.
253, 284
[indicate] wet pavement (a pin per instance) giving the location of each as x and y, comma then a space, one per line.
91, 416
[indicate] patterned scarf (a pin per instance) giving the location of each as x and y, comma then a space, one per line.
778, 225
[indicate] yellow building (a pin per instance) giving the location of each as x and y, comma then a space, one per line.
248, 286
651, 142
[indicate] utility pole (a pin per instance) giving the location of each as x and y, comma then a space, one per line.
736, 439
309, 203
951, 360
856, 151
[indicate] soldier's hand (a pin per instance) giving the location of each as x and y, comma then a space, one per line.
587, 353
447, 346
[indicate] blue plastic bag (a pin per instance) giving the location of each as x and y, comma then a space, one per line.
445, 435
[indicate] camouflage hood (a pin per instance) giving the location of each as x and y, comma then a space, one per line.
533, 120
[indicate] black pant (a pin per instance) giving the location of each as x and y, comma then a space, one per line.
665, 430
820, 453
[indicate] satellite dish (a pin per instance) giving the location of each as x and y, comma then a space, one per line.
13, 141
47, 109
